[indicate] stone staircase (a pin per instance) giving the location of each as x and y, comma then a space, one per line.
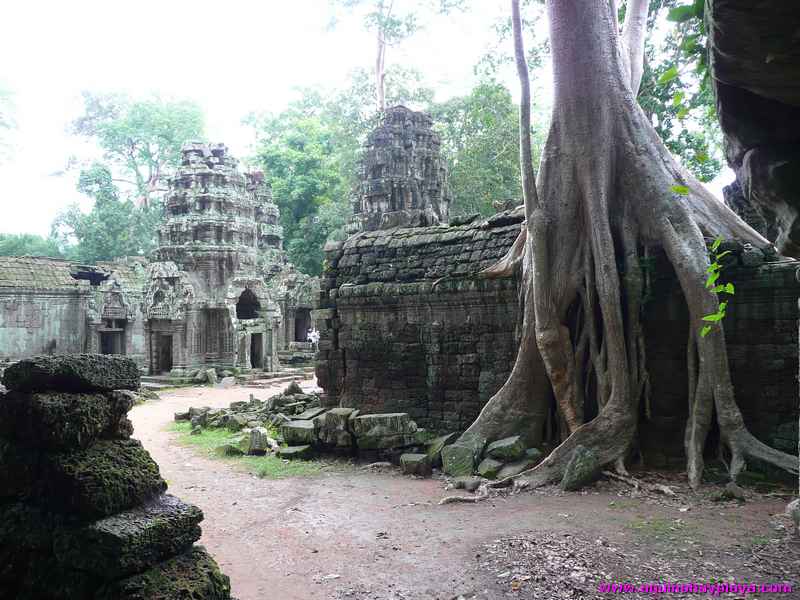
257, 379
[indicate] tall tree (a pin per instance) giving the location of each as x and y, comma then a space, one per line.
141, 138
607, 187
28, 244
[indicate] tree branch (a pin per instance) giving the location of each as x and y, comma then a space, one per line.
633, 30
525, 158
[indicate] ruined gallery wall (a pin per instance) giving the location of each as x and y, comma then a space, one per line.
394, 342
36, 321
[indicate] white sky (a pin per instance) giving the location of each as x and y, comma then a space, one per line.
231, 56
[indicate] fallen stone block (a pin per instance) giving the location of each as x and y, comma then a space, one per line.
292, 389
297, 433
530, 459
258, 441
227, 382
193, 574
489, 468
467, 482
60, 420
131, 541
236, 422
106, 478
461, 457
309, 414
507, 450
73, 373
211, 376
300, 452
434, 450
182, 416
415, 464
582, 468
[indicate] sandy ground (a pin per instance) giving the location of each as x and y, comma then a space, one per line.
361, 535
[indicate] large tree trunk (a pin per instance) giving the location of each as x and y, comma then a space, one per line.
604, 194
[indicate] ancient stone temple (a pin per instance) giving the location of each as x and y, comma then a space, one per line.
218, 292
408, 326
403, 176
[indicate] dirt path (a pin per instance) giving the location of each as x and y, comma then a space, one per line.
373, 536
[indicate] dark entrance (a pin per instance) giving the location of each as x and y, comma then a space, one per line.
302, 323
111, 342
248, 306
164, 353
256, 351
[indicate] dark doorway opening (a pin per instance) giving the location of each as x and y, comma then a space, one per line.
256, 351
164, 353
302, 323
248, 306
112, 342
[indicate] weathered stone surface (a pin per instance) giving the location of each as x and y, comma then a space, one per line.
793, 510
489, 468
735, 492
434, 450
227, 382
23, 525
211, 376
297, 433
529, 459
300, 452
192, 575
104, 479
415, 464
237, 422
467, 482
59, 420
20, 470
258, 441
292, 389
507, 449
233, 447
309, 414
461, 457
383, 431
581, 469
182, 416
73, 373
333, 427
131, 541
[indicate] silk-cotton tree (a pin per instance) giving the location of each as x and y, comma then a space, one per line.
608, 188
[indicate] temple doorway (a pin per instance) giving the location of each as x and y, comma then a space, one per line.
164, 354
256, 351
302, 323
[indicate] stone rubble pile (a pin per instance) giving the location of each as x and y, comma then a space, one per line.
83, 509
294, 425
500, 459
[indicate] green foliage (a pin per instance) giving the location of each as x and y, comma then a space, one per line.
675, 92
27, 244
115, 226
140, 138
713, 274
480, 140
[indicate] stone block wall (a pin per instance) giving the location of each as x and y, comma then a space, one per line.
405, 327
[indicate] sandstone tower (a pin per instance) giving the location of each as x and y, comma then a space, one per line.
403, 175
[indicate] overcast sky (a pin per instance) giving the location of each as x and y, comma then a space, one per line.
232, 57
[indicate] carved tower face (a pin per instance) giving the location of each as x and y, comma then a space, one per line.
403, 176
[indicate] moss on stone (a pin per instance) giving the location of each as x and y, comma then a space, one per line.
104, 479
192, 575
73, 373
61, 420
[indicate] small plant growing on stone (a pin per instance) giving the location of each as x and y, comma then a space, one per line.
714, 271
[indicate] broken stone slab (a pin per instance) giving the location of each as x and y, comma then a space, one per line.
735, 492
211, 376
182, 416
294, 408
382, 424
258, 441
236, 422
434, 450
131, 541
461, 457
60, 420
73, 373
293, 388
199, 378
309, 414
279, 419
793, 510
529, 459
304, 451
467, 482
198, 422
193, 574
106, 478
385, 442
489, 468
231, 448
507, 450
298, 433
582, 468
415, 464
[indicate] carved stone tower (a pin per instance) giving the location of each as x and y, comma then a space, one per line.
403, 176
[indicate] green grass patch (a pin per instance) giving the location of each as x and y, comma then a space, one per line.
268, 466
657, 527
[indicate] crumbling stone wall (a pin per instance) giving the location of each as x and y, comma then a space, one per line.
405, 328
83, 513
